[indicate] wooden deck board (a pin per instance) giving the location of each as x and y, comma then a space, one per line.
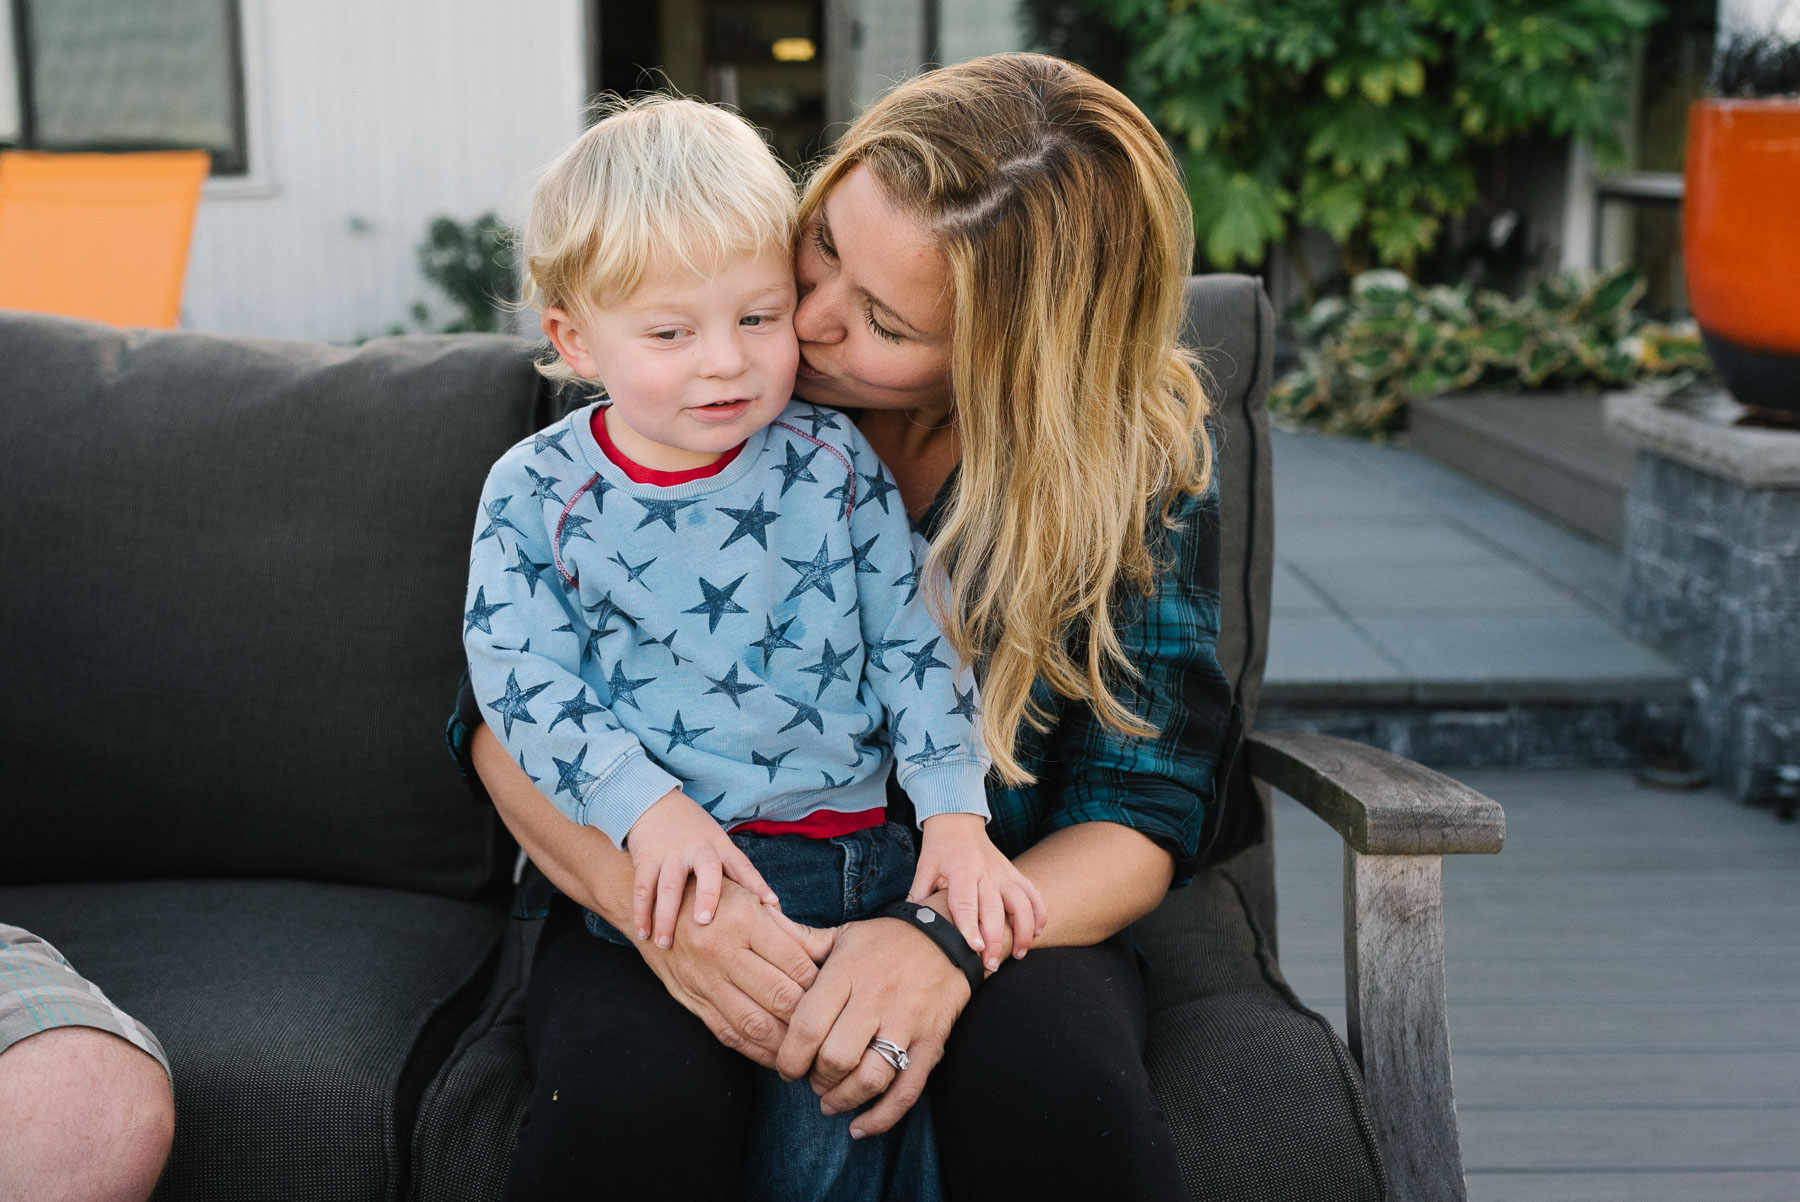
1656, 1185
1624, 986
1515, 1140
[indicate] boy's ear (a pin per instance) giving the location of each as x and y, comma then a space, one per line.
570, 343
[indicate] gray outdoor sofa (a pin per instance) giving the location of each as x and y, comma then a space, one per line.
231, 574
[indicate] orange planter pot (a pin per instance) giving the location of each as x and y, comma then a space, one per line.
1741, 241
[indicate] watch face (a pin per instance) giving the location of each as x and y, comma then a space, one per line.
926, 914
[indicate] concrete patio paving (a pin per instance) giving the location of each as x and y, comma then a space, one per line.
1399, 580
1624, 979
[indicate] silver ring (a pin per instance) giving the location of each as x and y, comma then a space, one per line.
891, 1052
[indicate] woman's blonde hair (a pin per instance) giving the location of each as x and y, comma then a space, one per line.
1068, 236
658, 182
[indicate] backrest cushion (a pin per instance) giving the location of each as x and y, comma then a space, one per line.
1228, 321
233, 586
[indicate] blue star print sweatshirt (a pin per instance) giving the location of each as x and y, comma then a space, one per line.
755, 638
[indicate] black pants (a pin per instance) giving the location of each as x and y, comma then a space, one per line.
1042, 1093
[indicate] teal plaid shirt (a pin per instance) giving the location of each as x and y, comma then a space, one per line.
1162, 786
1168, 786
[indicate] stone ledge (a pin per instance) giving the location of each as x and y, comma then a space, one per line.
1361, 694
1596, 734
1700, 431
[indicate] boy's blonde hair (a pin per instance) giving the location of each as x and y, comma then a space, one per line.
657, 182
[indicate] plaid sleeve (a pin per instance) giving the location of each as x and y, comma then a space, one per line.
459, 733
1162, 785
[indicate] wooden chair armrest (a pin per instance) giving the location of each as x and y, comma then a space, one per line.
1382, 804
1398, 820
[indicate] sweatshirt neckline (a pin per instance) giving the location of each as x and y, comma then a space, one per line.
582, 428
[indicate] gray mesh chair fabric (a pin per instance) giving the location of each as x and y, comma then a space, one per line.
1262, 1097
302, 1021
240, 564
470, 1115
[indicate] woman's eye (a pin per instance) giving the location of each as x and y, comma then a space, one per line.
879, 330
823, 243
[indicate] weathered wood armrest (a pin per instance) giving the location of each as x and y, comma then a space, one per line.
1398, 820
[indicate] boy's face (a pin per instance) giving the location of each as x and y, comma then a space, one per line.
693, 365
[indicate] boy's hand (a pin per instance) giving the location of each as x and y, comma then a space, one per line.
985, 889
672, 839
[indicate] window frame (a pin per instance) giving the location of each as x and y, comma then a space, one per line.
232, 164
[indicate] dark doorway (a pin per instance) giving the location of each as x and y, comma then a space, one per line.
766, 58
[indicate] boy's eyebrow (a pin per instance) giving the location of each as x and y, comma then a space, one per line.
661, 308
876, 301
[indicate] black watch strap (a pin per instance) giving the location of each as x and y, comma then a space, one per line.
942, 932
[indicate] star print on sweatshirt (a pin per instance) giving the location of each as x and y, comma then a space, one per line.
756, 637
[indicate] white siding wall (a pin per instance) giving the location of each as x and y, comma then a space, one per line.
367, 119
971, 28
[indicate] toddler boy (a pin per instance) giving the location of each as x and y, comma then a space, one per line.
695, 605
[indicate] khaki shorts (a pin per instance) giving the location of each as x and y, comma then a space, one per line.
39, 990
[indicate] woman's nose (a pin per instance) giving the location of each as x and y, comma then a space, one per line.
816, 318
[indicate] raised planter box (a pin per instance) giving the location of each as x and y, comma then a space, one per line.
1712, 576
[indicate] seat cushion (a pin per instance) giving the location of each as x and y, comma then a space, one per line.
303, 1022
470, 1115
235, 569
1262, 1097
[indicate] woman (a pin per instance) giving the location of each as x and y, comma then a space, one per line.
990, 272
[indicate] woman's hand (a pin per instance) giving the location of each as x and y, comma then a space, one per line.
744, 974
882, 979
885, 979
741, 974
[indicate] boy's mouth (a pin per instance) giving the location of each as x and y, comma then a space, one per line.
721, 410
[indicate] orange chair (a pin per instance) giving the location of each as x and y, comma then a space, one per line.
100, 236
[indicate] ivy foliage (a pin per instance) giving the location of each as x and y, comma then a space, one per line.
1391, 341
1363, 120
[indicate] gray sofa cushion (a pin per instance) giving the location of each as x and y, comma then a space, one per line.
235, 570
470, 1115
303, 1022
1262, 1097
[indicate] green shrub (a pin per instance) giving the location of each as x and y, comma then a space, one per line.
1363, 120
1391, 341
473, 266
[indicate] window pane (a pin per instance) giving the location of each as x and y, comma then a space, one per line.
9, 77
147, 73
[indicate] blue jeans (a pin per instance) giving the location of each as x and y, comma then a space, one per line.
798, 1154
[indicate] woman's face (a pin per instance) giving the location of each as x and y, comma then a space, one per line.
875, 305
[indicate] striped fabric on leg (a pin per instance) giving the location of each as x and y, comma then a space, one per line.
40, 989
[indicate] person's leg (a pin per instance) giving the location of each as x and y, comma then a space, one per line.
1043, 1094
632, 1097
87, 1117
797, 1153
84, 1089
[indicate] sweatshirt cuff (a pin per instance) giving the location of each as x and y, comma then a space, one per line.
619, 798
948, 789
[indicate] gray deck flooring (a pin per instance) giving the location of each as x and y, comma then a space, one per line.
1624, 984
1398, 579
